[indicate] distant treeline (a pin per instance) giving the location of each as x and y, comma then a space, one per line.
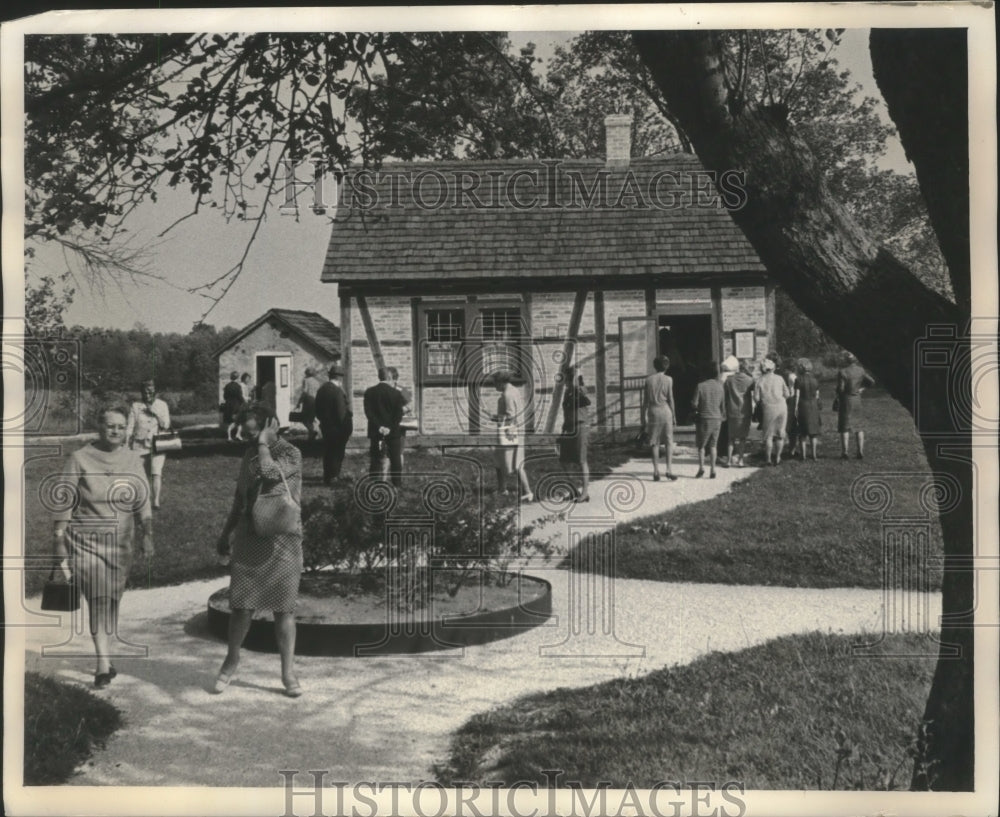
117, 360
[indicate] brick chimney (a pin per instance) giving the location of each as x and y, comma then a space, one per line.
617, 140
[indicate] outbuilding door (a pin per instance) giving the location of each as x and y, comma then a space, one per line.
275, 368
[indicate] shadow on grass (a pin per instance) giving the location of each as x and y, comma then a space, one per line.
63, 725
795, 713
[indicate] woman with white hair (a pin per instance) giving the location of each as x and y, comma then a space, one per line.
772, 393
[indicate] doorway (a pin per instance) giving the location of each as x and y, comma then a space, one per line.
687, 341
274, 383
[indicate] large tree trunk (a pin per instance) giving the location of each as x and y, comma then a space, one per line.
860, 295
923, 76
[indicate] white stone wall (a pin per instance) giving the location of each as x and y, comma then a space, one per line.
267, 338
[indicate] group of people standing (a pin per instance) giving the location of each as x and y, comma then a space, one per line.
116, 480
324, 402
726, 403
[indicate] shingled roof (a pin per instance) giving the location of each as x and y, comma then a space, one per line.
383, 234
310, 327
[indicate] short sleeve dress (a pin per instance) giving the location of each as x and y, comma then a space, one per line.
808, 415
266, 570
99, 494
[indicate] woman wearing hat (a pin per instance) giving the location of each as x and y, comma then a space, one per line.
772, 393
851, 381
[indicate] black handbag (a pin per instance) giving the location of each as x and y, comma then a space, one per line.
60, 595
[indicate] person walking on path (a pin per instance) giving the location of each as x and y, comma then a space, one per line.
336, 423
807, 407
265, 541
738, 392
94, 533
728, 367
384, 410
232, 402
147, 418
658, 409
852, 379
709, 410
307, 401
772, 393
575, 429
509, 451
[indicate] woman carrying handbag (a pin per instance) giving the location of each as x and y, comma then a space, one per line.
94, 530
263, 533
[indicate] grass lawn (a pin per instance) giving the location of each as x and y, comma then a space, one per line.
794, 525
63, 724
198, 488
795, 713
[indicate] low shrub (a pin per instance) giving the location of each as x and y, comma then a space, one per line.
363, 528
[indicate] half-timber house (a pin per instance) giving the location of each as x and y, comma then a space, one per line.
452, 270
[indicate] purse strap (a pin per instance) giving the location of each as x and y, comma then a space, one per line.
287, 489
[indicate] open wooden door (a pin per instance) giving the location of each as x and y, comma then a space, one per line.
637, 347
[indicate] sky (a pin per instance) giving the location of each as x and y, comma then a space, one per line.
284, 265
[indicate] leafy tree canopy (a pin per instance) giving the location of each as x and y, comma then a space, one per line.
112, 120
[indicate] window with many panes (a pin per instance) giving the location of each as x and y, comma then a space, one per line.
501, 336
467, 341
445, 331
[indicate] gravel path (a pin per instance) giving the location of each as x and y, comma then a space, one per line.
390, 718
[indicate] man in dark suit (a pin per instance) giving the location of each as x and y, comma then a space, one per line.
384, 410
336, 421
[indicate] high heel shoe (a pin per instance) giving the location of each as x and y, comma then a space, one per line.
102, 679
294, 689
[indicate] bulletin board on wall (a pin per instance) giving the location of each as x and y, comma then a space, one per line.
745, 343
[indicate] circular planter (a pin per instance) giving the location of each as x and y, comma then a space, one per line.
333, 618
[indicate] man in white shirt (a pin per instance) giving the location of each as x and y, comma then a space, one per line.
147, 418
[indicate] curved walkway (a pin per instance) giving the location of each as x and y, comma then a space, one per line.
390, 718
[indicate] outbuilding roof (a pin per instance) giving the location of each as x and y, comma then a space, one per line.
542, 218
309, 327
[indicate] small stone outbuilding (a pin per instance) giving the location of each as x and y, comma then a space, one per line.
278, 347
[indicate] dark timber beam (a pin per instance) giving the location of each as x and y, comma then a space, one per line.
345, 346
600, 360
374, 345
574, 329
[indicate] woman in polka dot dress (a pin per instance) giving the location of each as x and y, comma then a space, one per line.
265, 569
